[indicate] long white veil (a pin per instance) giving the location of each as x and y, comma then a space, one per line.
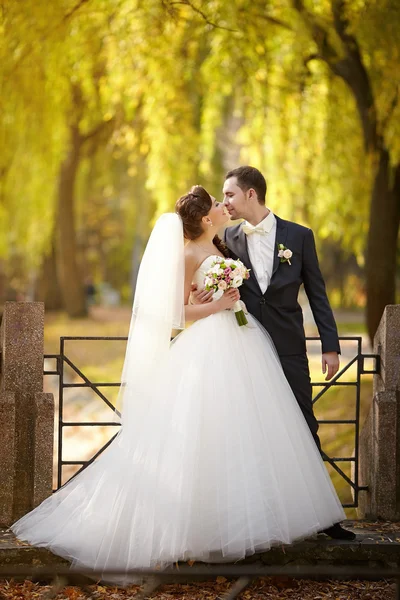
158, 308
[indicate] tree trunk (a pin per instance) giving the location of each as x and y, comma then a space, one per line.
140, 235
382, 237
70, 278
48, 288
381, 244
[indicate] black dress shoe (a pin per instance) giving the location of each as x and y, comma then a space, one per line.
337, 532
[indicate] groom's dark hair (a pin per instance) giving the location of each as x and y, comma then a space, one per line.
250, 177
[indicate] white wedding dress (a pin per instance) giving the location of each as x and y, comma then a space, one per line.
220, 465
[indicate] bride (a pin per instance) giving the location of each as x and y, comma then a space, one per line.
214, 460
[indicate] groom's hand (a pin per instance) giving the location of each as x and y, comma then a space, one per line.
200, 296
330, 364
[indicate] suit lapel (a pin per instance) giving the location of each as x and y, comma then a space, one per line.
241, 250
280, 238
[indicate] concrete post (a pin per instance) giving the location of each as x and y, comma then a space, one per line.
22, 332
379, 466
43, 447
7, 456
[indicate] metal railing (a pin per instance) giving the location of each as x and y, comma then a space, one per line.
63, 360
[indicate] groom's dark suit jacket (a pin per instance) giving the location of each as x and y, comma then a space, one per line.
278, 309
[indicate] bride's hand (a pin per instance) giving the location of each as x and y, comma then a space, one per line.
199, 296
228, 299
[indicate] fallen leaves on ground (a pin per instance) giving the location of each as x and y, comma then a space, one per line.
265, 588
375, 526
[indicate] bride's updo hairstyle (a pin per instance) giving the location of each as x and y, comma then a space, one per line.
191, 208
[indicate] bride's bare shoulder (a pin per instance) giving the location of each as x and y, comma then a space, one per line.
191, 256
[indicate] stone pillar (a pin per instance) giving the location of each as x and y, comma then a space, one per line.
22, 331
379, 466
7, 456
43, 447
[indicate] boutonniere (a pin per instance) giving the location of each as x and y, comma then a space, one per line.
284, 254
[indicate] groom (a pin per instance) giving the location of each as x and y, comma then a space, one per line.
281, 256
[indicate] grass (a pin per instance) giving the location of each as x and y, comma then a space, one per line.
352, 328
102, 361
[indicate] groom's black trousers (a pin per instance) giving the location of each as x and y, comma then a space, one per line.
297, 373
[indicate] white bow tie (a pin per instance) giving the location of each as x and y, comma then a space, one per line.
249, 229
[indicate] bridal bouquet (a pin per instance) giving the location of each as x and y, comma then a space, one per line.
226, 273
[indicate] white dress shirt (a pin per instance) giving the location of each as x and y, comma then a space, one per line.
261, 247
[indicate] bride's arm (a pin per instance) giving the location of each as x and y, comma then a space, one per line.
193, 312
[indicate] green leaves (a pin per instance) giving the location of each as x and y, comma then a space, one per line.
188, 92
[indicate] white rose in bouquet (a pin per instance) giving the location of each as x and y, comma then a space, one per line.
237, 281
217, 270
209, 281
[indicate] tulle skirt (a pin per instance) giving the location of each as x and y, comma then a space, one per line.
219, 466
